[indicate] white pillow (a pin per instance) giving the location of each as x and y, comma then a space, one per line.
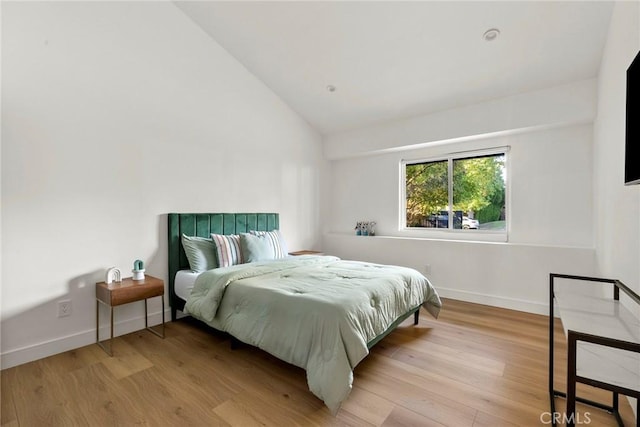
200, 252
256, 248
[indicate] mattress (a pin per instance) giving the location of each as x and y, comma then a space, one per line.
184, 283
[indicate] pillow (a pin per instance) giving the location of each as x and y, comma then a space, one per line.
276, 240
256, 248
227, 249
200, 252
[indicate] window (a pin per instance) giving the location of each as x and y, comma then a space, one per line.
468, 188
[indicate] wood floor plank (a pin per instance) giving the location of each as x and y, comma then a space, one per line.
472, 377
344, 418
420, 398
368, 406
480, 398
177, 366
172, 405
8, 415
126, 361
259, 409
487, 420
101, 398
401, 417
446, 353
473, 366
38, 398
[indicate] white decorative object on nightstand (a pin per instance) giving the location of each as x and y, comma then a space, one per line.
113, 275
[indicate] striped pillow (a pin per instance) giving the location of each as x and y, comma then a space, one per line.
275, 240
227, 249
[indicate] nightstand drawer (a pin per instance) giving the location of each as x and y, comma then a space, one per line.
129, 290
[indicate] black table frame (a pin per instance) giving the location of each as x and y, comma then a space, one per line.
573, 337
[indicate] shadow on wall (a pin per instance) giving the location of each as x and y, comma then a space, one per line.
157, 261
68, 320
52, 325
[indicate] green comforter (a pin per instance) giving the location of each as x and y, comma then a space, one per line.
315, 312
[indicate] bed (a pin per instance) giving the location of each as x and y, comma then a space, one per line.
320, 313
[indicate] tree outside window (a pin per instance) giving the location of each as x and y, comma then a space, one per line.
471, 190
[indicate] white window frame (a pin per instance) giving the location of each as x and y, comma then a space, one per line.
450, 233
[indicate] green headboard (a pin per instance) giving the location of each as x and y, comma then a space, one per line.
202, 225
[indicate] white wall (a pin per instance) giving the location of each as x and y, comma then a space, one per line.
617, 208
542, 109
551, 222
514, 276
114, 114
549, 174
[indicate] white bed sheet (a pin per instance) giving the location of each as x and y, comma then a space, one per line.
184, 282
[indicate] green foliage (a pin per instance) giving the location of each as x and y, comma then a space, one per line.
478, 186
494, 211
426, 190
488, 214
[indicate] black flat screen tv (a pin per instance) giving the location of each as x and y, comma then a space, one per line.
632, 143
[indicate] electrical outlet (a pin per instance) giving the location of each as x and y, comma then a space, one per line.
427, 268
64, 308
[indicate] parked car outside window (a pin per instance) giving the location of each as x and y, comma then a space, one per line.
470, 224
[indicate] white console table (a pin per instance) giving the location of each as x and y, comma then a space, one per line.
603, 343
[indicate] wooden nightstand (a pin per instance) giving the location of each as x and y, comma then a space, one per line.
129, 290
306, 252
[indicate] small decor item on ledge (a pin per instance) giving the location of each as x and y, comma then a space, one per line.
113, 275
371, 225
138, 270
365, 228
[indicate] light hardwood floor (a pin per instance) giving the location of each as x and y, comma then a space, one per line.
474, 366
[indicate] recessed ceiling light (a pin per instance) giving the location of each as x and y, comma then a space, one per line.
491, 34
331, 88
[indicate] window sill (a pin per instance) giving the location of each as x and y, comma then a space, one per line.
350, 236
457, 235
453, 236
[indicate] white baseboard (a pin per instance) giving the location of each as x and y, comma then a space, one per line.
44, 349
494, 300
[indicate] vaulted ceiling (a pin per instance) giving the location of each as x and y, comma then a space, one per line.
390, 60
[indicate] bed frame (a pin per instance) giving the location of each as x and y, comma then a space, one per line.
203, 224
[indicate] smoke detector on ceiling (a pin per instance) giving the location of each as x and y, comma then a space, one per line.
491, 34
